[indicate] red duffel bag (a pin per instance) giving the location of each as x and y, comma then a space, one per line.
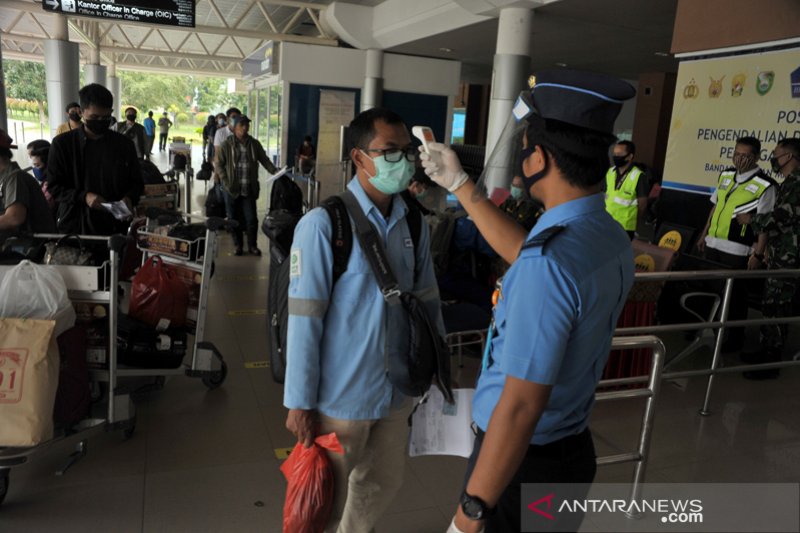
158, 297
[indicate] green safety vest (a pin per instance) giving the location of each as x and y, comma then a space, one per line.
622, 203
735, 198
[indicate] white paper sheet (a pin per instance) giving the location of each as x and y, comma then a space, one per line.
118, 209
278, 174
439, 428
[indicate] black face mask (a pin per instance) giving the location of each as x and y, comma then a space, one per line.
528, 181
98, 126
620, 161
776, 165
131, 117
74, 117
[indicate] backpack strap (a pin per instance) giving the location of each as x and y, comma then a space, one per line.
373, 248
414, 221
341, 235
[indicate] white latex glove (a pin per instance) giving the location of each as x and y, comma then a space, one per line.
442, 165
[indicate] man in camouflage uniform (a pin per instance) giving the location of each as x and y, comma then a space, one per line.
521, 207
782, 227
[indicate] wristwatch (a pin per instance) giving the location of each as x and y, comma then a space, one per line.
474, 508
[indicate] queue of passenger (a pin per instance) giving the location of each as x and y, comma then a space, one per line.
563, 231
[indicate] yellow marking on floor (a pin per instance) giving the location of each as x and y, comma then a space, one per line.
257, 364
242, 278
283, 453
248, 312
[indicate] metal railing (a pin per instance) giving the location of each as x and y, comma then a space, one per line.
458, 340
642, 453
719, 325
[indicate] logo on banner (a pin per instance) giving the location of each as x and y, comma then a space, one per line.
795, 77
764, 82
691, 90
715, 87
737, 84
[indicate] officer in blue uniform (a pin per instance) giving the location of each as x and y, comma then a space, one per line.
558, 304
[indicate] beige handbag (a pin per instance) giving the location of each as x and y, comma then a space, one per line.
29, 366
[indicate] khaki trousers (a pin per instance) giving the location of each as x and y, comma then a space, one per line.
369, 474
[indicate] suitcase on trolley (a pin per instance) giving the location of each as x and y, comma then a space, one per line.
140, 345
74, 395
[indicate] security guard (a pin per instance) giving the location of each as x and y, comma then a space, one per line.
559, 302
743, 188
626, 188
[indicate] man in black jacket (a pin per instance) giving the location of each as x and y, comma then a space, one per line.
92, 165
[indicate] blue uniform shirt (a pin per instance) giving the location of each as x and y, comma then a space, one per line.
149, 127
339, 341
557, 314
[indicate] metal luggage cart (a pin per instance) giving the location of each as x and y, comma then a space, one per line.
114, 409
162, 195
196, 256
458, 340
180, 163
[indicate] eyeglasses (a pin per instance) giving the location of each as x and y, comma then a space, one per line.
393, 155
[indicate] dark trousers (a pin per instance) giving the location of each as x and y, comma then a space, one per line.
148, 145
738, 306
244, 212
162, 141
568, 460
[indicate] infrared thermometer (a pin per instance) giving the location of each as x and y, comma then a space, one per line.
424, 134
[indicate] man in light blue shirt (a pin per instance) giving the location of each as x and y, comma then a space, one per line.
341, 337
557, 307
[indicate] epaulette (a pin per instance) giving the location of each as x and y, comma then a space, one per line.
540, 239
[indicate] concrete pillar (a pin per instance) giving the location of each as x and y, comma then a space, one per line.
512, 67
62, 69
372, 93
94, 72
113, 84
3, 109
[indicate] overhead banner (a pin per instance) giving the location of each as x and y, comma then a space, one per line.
165, 12
720, 100
336, 109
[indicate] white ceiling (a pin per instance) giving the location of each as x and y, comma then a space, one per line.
620, 37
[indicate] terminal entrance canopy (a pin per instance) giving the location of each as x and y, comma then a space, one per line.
164, 12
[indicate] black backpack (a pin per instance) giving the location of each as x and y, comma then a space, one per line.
278, 291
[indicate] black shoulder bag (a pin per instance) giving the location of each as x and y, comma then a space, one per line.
428, 359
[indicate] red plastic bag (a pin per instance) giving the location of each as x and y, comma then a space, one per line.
157, 294
309, 496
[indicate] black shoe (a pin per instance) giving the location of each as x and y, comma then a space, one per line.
254, 251
760, 375
238, 252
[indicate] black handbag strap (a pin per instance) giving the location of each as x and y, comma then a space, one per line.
373, 248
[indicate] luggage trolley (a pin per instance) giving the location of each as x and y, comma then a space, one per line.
180, 163
196, 256
114, 409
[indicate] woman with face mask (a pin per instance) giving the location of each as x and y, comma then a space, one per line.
38, 152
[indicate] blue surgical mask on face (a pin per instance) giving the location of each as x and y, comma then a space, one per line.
38, 174
391, 178
516, 192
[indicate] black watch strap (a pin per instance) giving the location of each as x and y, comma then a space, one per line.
475, 508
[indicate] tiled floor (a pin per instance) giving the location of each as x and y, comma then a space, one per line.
203, 461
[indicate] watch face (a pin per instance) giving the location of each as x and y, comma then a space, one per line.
472, 508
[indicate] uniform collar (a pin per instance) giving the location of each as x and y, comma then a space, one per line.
741, 178
567, 211
399, 208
